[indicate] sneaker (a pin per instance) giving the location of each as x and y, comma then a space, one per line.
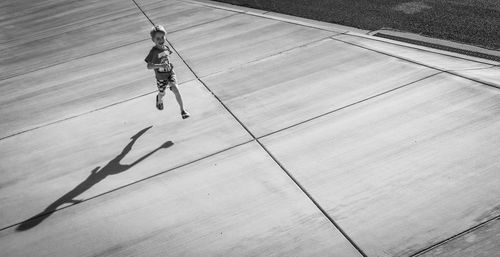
159, 103
185, 115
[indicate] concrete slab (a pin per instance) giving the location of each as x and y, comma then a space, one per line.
237, 203
40, 166
77, 87
404, 170
482, 242
289, 88
178, 15
432, 59
27, 21
222, 44
125, 28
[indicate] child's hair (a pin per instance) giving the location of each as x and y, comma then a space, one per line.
157, 28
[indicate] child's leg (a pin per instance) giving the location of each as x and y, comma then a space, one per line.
162, 85
175, 89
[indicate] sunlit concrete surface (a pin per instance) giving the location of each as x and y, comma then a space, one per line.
211, 207
305, 139
309, 81
249, 37
405, 166
481, 242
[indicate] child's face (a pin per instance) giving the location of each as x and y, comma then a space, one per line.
159, 38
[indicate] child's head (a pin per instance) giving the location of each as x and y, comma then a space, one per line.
158, 34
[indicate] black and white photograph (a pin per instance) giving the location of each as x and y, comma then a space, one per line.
266, 128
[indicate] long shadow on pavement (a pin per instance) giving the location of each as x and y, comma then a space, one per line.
113, 167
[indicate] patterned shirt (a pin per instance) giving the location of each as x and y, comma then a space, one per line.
160, 56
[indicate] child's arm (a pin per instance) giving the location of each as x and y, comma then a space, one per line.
169, 50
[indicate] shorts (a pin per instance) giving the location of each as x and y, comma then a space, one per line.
164, 83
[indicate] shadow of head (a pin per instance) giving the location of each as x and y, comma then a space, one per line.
167, 144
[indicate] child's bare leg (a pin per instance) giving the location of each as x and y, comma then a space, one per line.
178, 97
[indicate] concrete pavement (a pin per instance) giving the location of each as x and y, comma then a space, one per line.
305, 139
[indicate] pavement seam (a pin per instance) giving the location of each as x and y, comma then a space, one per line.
350, 105
132, 183
301, 188
240, 66
74, 59
451, 72
467, 231
84, 113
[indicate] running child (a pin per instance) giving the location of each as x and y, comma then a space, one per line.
158, 59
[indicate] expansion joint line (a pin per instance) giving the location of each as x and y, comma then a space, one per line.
467, 231
451, 72
262, 146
